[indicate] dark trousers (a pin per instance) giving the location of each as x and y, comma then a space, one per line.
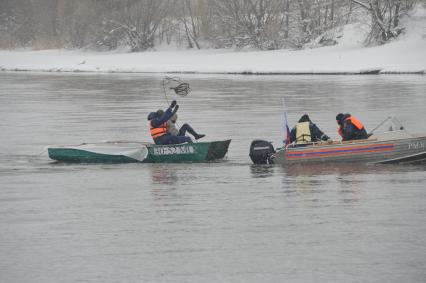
186, 128
170, 139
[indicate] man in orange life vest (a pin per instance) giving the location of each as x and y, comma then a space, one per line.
350, 128
158, 126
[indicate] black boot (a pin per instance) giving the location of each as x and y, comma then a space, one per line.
187, 128
198, 136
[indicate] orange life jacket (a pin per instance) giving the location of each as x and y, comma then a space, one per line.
159, 131
354, 121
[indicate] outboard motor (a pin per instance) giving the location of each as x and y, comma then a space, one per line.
260, 152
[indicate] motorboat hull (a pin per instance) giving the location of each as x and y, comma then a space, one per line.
373, 150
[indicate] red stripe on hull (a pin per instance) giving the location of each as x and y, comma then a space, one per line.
353, 150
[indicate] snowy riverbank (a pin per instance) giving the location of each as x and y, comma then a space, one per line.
405, 55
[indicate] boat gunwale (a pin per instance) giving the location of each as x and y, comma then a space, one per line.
337, 144
147, 144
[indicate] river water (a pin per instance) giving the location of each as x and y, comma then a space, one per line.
225, 221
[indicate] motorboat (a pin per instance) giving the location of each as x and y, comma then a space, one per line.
394, 145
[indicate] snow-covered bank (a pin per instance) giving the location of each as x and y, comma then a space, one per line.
406, 55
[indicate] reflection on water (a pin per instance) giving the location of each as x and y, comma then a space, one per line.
262, 171
227, 221
163, 174
336, 169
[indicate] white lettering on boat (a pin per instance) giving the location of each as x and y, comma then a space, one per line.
416, 145
170, 150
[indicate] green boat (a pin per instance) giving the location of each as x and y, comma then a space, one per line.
128, 152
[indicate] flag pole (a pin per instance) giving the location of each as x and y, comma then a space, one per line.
286, 129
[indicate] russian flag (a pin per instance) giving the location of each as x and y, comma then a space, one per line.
286, 139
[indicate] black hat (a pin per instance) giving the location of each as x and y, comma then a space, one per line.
151, 116
340, 117
304, 118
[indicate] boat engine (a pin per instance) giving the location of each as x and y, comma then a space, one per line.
261, 151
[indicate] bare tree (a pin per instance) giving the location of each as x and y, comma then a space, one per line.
16, 23
138, 22
46, 24
191, 21
317, 18
385, 18
143, 24
253, 23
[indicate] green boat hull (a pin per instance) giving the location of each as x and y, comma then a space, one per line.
188, 152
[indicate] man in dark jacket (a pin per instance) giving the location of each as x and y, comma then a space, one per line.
158, 126
350, 128
305, 131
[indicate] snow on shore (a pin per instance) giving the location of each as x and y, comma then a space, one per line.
406, 55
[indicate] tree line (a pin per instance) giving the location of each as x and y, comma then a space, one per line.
141, 25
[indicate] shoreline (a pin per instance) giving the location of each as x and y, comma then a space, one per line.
302, 73
400, 57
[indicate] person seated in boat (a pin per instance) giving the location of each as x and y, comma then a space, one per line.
158, 126
306, 131
172, 129
350, 128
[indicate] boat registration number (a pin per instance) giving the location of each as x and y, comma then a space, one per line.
416, 145
169, 150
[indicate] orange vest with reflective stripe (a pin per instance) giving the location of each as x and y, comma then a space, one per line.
159, 131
